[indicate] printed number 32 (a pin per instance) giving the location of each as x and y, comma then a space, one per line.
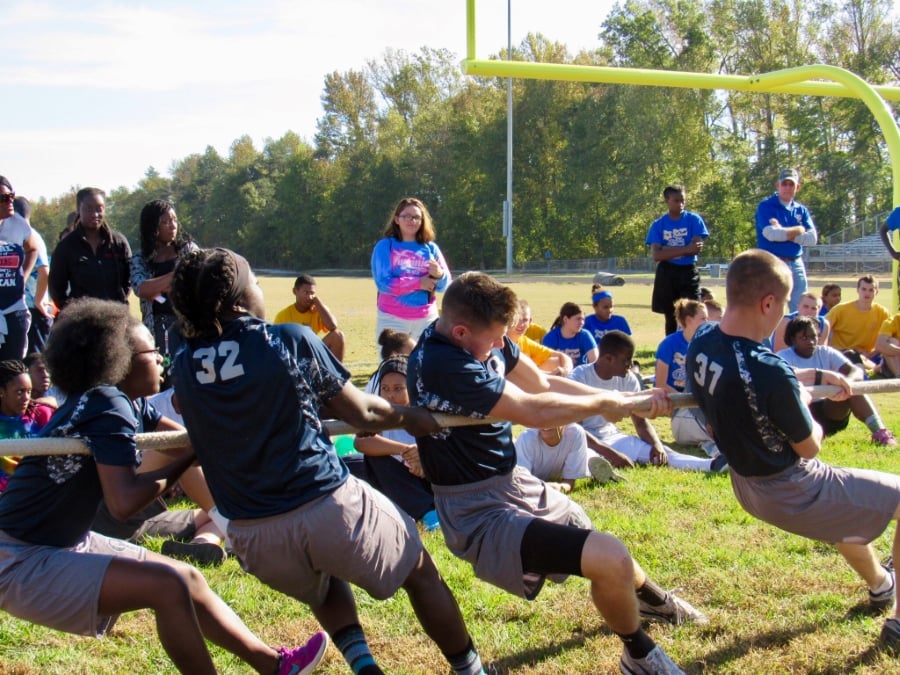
229, 351
705, 367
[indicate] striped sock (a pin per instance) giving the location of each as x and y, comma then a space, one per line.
352, 642
467, 662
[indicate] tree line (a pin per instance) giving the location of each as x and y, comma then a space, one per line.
590, 160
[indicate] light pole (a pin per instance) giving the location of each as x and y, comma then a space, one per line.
508, 204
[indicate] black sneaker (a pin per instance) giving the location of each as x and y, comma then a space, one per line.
890, 634
196, 552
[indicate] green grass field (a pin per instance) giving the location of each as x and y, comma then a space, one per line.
777, 603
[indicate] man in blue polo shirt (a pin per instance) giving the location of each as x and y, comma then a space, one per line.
784, 227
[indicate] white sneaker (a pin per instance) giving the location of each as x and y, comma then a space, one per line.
657, 662
674, 610
602, 471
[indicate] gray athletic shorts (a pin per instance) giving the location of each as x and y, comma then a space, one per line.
60, 587
822, 502
354, 533
483, 523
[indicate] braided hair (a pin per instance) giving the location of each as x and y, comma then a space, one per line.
9, 370
203, 289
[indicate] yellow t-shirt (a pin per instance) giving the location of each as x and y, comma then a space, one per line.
291, 314
891, 327
855, 329
535, 332
534, 350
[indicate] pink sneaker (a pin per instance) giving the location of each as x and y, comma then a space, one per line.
302, 660
884, 437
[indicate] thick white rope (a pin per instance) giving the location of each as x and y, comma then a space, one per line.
22, 447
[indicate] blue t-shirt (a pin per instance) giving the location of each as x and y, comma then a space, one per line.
598, 328
576, 347
250, 401
672, 351
751, 399
447, 379
668, 232
51, 500
788, 216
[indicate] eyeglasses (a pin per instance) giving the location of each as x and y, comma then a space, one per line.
7, 197
406, 216
154, 351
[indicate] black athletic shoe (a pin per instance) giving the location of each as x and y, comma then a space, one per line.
199, 553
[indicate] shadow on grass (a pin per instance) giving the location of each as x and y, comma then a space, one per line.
534, 656
741, 647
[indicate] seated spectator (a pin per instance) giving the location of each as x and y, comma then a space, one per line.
567, 335
804, 351
559, 456
887, 344
688, 424
42, 389
392, 457
855, 324
706, 295
603, 320
714, 310
807, 306
612, 371
831, 296
548, 360
20, 416
393, 343
309, 310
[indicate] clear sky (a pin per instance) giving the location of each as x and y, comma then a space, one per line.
98, 91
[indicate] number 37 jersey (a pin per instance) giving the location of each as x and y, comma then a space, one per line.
250, 401
751, 399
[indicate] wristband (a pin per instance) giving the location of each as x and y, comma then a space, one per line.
818, 377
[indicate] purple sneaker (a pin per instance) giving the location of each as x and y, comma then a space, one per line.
884, 437
302, 660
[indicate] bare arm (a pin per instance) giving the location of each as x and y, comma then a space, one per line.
886, 345
367, 412
661, 253
327, 317
41, 299
647, 433
155, 286
126, 492
31, 253
379, 446
661, 375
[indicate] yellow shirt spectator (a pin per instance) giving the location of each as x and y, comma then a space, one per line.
853, 328
311, 318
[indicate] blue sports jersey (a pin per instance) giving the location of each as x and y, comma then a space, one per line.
751, 399
51, 500
445, 378
672, 351
598, 328
250, 401
576, 348
668, 232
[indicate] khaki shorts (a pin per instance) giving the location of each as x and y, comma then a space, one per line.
354, 533
822, 502
60, 587
484, 522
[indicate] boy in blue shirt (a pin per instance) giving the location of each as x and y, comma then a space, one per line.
675, 240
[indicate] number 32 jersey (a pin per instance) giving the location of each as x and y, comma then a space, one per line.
250, 401
751, 399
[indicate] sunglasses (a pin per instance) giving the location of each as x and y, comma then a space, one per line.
7, 197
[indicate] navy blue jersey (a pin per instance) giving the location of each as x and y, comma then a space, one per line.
52, 499
751, 399
250, 401
447, 379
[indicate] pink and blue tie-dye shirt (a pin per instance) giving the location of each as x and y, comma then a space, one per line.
398, 267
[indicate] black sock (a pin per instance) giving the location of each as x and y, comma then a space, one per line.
638, 644
351, 641
652, 594
467, 662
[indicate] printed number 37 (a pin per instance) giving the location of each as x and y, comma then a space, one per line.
704, 368
228, 350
